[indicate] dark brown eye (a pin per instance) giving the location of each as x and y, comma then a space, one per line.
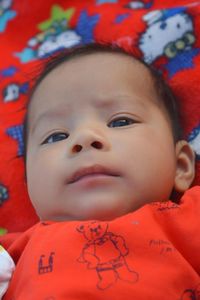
56, 137
122, 121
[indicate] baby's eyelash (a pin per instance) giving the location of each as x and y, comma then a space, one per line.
55, 137
122, 121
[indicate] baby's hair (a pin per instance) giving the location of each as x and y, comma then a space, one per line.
164, 92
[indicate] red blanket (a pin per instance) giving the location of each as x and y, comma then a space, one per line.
164, 33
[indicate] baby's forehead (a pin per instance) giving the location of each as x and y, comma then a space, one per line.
104, 60
109, 72
116, 66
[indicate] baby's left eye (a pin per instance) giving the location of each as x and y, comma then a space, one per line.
122, 121
56, 137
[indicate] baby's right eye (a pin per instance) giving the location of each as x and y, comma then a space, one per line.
55, 137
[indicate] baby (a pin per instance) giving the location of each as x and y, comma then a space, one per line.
104, 154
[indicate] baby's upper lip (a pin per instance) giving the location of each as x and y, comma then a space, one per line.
94, 169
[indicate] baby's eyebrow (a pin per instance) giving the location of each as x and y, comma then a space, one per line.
105, 103
111, 101
118, 100
47, 115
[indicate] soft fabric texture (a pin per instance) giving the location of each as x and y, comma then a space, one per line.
152, 253
7, 267
163, 33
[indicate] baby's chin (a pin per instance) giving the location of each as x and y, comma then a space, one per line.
100, 215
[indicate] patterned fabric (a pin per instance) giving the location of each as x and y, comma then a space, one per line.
7, 267
165, 34
152, 253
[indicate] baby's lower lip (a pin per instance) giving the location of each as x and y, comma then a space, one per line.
94, 179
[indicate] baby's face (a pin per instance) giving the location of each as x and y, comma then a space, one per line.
99, 144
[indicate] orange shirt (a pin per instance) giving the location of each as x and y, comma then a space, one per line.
152, 253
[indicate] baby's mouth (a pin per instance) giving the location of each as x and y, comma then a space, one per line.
92, 171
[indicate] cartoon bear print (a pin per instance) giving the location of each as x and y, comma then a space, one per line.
191, 294
105, 252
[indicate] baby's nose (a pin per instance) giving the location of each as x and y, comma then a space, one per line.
87, 139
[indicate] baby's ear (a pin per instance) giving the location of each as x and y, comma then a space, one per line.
185, 166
